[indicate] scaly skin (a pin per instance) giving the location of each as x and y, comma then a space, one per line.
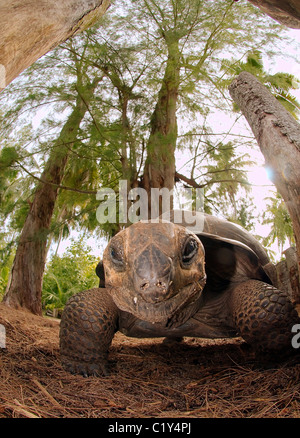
159, 279
88, 325
261, 314
264, 316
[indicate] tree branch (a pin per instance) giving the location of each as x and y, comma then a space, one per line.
195, 185
72, 189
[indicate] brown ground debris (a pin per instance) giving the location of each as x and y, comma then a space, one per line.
197, 378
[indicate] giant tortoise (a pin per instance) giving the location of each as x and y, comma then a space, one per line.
162, 280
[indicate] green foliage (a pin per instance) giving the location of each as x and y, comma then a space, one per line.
68, 274
279, 84
126, 55
276, 215
6, 259
220, 169
245, 214
225, 169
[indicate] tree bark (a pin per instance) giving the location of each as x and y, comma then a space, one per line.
159, 171
288, 274
31, 28
278, 135
25, 285
286, 12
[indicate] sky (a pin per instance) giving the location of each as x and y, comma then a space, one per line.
258, 175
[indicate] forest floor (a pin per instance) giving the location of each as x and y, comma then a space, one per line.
196, 378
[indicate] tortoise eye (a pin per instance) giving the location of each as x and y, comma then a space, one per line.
117, 256
189, 250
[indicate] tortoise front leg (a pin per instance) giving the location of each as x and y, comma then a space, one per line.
264, 317
88, 324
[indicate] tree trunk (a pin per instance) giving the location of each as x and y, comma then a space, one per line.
286, 12
288, 274
25, 285
31, 28
159, 169
278, 136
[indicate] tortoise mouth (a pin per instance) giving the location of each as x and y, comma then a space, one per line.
160, 310
157, 294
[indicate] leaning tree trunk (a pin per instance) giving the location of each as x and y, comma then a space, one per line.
285, 11
278, 135
31, 28
25, 285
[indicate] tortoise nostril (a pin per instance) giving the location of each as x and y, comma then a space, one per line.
161, 285
144, 285
150, 285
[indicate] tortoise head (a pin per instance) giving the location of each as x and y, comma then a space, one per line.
153, 270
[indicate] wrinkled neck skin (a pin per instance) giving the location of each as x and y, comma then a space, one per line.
173, 312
